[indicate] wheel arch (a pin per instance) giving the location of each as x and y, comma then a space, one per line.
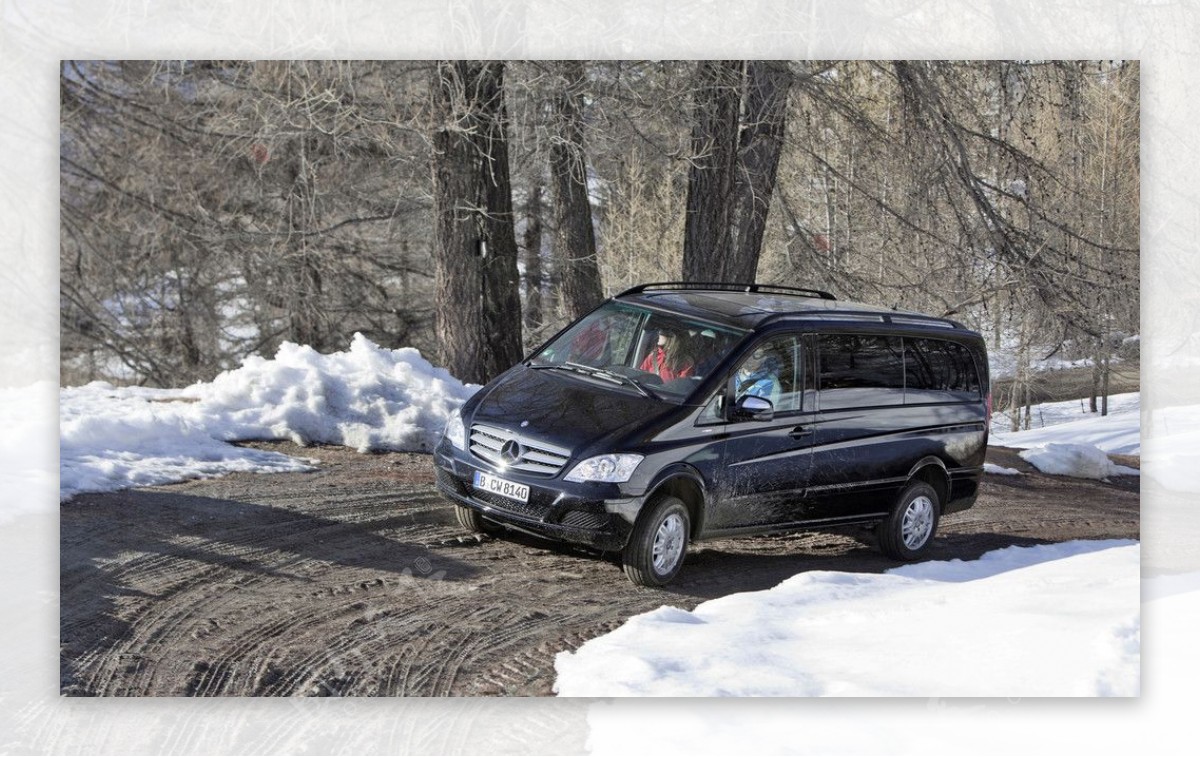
688, 485
933, 471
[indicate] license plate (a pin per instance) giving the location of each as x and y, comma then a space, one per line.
509, 489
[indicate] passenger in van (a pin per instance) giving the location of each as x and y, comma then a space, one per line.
759, 376
707, 352
591, 346
670, 358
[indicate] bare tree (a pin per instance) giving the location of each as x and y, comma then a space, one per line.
531, 257
644, 222
475, 249
760, 144
1111, 182
575, 239
637, 127
908, 171
712, 173
740, 112
212, 209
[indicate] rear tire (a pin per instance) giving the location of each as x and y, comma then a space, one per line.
658, 545
907, 533
472, 520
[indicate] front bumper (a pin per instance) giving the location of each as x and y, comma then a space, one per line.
585, 514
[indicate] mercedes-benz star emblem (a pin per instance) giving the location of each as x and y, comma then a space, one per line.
512, 451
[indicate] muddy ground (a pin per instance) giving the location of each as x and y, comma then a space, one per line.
355, 580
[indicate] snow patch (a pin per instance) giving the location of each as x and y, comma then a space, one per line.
1118, 432
1000, 470
1077, 460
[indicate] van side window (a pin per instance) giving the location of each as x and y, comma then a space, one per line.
939, 371
860, 370
773, 370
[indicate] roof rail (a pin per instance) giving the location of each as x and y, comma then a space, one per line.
881, 316
727, 287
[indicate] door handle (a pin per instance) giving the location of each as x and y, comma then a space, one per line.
800, 432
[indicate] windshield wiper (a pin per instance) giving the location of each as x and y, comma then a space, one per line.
645, 390
586, 370
576, 367
600, 373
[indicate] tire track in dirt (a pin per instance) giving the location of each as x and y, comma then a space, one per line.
355, 580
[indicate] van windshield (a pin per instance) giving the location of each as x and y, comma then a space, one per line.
658, 354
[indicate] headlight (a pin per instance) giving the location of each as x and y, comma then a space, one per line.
614, 469
456, 432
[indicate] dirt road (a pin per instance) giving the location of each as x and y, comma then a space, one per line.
355, 580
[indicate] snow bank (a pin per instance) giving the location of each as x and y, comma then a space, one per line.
1068, 447
368, 398
118, 438
1056, 620
1078, 460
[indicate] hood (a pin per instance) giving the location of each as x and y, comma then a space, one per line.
564, 409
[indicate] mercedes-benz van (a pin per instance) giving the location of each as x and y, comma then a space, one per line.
679, 412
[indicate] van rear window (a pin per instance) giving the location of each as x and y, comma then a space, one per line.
939, 371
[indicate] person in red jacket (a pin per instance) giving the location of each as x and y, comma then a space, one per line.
591, 346
670, 358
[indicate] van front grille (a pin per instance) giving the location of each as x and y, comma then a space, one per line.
527, 509
511, 451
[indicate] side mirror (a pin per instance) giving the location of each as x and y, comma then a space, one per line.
751, 408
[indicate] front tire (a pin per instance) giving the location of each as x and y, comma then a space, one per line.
658, 544
907, 533
472, 520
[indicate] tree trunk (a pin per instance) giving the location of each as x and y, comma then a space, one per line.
574, 238
532, 257
706, 236
1028, 403
1104, 387
767, 85
478, 312
304, 316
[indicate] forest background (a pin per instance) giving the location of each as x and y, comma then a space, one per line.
212, 210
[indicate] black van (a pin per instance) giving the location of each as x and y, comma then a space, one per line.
678, 412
